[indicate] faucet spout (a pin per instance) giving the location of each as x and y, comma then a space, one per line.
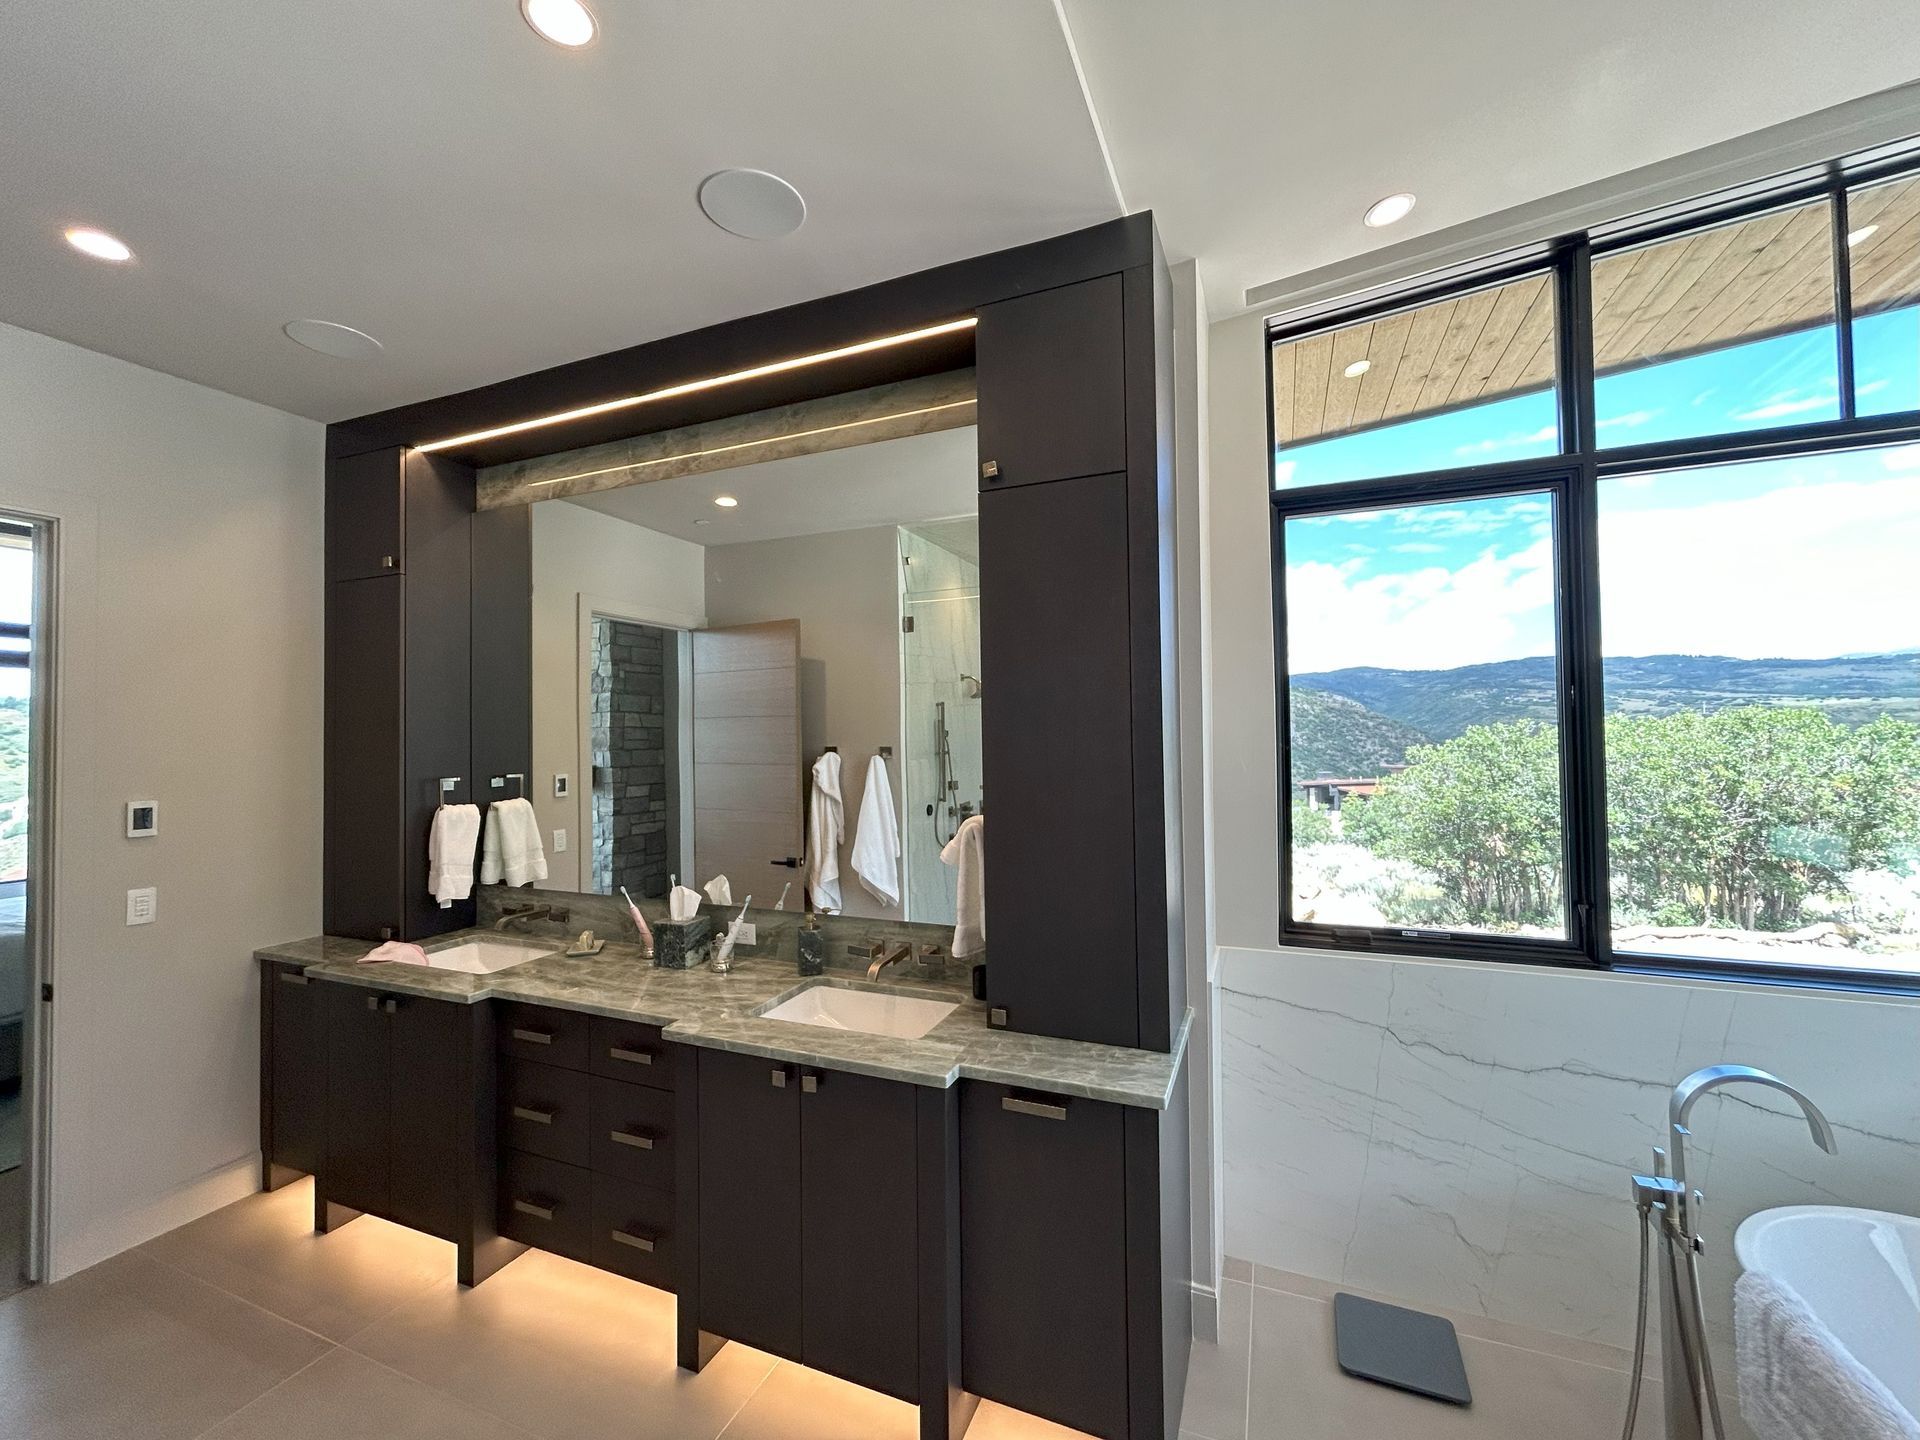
1689, 1091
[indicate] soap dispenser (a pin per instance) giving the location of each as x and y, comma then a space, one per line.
813, 946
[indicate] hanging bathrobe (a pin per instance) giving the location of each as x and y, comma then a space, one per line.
825, 827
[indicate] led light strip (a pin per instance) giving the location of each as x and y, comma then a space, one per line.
752, 444
694, 387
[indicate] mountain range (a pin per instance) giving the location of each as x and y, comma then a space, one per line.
1353, 721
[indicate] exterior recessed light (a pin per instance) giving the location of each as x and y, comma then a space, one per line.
726, 502
1390, 210
752, 204
1357, 369
1854, 237
99, 244
342, 341
564, 22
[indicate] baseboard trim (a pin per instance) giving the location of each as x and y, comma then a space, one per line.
116, 1234
1206, 1312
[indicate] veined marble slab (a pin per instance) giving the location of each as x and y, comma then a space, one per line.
723, 1012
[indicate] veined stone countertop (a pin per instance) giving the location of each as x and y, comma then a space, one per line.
722, 1012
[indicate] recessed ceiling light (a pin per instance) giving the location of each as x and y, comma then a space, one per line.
564, 22
1357, 369
99, 244
726, 502
1389, 210
752, 204
330, 339
1854, 237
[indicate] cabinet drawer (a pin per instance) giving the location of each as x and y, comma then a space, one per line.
628, 1050
547, 1204
544, 1110
538, 1032
633, 1231
632, 1133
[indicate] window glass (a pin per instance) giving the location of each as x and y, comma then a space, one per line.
1423, 734
1466, 381
1761, 633
1883, 257
1717, 331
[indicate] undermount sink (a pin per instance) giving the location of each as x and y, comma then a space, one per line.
1859, 1271
904, 1017
479, 957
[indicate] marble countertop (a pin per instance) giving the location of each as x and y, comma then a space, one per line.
722, 1012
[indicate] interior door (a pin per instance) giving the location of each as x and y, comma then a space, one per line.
747, 787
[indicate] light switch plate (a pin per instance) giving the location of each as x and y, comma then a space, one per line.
143, 906
143, 819
560, 786
559, 842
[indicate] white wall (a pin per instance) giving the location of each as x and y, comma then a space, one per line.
642, 573
189, 659
844, 589
1460, 1135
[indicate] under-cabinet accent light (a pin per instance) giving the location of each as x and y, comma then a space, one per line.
752, 444
99, 244
564, 22
726, 502
1854, 237
1390, 210
1357, 369
712, 382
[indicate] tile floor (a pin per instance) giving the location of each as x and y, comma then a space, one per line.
246, 1324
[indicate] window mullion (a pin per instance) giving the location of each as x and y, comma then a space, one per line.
1843, 305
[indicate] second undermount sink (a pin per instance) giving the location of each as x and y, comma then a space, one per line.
904, 1017
479, 957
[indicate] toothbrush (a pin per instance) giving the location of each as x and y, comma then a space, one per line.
640, 923
723, 957
781, 903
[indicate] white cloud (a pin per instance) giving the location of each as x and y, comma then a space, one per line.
1631, 420
1546, 435
1779, 409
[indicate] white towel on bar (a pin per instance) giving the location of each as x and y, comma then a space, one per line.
512, 852
967, 853
1797, 1381
451, 843
876, 837
825, 826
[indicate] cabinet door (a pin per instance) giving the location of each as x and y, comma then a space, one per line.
366, 516
1052, 382
1043, 1255
750, 1201
365, 691
857, 1221
1057, 753
359, 1084
431, 1113
297, 1061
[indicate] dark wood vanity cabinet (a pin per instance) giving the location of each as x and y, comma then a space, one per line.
293, 1075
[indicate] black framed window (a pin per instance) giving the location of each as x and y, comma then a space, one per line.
1597, 617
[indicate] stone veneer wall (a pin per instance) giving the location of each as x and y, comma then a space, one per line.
635, 800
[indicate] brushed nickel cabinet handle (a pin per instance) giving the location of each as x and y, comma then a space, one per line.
373, 1002
809, 1083
539, 1212
1033, 1107
636, 1242
632, 1057
627, 1137
392, 1005
538, 1117
292, 977
533, 1037
779, 1077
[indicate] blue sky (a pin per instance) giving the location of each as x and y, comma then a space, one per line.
1781, 558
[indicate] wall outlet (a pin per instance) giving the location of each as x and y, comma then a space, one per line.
143, 906
559, 842
747, 933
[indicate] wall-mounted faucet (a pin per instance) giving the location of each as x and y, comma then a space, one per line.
531, 912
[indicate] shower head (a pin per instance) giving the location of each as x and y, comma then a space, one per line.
971, 684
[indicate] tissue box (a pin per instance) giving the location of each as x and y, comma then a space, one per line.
683, 944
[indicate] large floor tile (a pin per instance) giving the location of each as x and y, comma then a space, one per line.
1216, 1400
132, 1348
344, 1394
565, 1352
800, 1404
264, 1249
1298, 1393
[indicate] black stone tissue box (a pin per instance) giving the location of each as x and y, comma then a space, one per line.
683, 944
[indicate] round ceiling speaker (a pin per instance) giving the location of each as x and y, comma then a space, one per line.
342, 341
752, 204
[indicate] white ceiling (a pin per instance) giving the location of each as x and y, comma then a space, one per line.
891, 482
485, 203
1258, 133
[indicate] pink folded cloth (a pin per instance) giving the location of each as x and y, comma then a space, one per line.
394, 950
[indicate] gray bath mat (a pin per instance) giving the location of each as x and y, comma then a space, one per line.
1402, 1348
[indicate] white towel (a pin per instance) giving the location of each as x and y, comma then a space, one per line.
825, 826
450, 845
1797, 1381
719, 890
967, 853
876, 837
512, 851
